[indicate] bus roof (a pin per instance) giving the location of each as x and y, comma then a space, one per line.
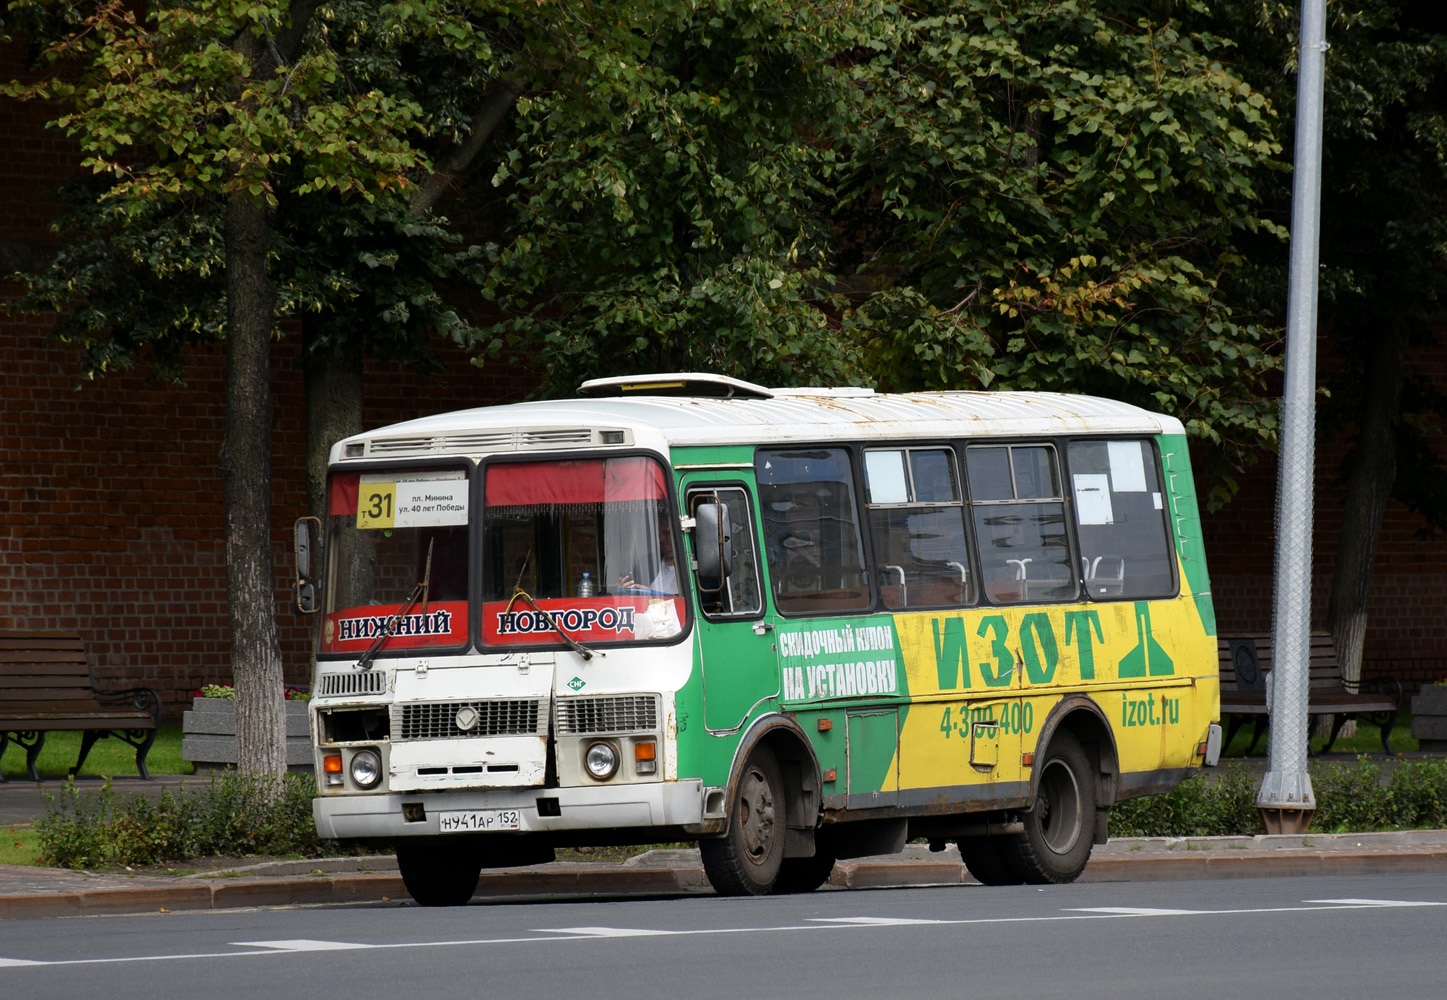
674, 417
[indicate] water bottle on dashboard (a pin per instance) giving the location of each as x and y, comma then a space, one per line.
585, 588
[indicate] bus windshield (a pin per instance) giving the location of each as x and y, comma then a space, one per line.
397, 551
587, 543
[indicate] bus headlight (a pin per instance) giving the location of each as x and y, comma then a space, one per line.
366, 768
601, 760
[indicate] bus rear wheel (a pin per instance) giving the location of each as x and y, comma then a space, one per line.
746, 860
1056, 842
439, 871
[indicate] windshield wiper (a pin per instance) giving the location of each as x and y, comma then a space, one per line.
419, 593
574, 644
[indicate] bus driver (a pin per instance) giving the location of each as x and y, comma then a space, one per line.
665, 581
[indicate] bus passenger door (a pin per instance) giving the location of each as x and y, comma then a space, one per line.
734, 635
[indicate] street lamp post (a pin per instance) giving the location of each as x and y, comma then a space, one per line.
1286, 799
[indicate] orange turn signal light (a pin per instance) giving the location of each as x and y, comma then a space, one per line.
332, 763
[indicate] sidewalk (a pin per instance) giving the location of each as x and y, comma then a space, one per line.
28, 893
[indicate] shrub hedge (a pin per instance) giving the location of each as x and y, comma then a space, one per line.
234, 814
1350, 798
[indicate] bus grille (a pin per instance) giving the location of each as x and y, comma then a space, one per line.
608, 714
438, 721
360, 682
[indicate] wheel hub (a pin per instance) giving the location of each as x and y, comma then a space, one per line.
756, 804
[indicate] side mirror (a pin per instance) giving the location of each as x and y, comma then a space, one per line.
711, 545
308, 534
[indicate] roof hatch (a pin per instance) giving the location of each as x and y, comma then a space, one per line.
675, 384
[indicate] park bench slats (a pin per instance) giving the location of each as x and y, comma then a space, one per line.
1246, 660
46, 686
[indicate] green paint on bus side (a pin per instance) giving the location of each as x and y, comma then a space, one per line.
1186, 524
725, 455
829, 668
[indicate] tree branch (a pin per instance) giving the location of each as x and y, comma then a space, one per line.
496, 104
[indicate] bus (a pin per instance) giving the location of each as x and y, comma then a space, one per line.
791, 625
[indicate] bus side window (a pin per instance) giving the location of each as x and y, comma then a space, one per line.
811, 531
740, 596
1125, 544
917, 524
1019, 519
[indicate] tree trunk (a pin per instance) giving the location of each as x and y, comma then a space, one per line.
246, 485
1369, 486
333, 378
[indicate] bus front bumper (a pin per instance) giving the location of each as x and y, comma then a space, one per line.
538, 810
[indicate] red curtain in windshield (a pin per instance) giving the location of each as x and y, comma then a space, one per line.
584, 481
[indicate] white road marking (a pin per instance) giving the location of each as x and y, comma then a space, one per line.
878, 921
610, 932
1136, 911
301, 944
1372, 902
17, 961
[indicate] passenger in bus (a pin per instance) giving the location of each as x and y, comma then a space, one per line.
665, 580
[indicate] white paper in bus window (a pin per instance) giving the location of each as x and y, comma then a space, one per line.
885, 472
1127, 466
410, 501
1092, 499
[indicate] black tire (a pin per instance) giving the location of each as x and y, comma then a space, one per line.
804, 874
989, 860
439, 871
746, 860
1061, 822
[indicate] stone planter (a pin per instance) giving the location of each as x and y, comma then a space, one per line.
1429, 718
209, 734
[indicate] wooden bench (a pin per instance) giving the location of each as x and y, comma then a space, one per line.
1246, 660
46, 686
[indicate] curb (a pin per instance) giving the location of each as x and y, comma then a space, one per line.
677, 872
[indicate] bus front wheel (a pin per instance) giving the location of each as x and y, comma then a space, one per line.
439, 871
1056, 842
805, 874
746, 860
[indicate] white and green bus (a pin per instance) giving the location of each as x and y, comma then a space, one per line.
967, 617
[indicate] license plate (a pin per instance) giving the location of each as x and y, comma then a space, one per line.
479, 820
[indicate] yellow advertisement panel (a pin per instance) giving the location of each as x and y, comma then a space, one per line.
1149, 666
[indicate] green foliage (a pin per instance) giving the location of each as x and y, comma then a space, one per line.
335, 142
235, 814
667, 197
1047, 196
1350, 798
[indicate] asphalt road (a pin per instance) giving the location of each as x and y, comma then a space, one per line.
1323, 937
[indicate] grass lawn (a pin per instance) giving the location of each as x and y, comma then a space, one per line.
109, 757
18, 845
